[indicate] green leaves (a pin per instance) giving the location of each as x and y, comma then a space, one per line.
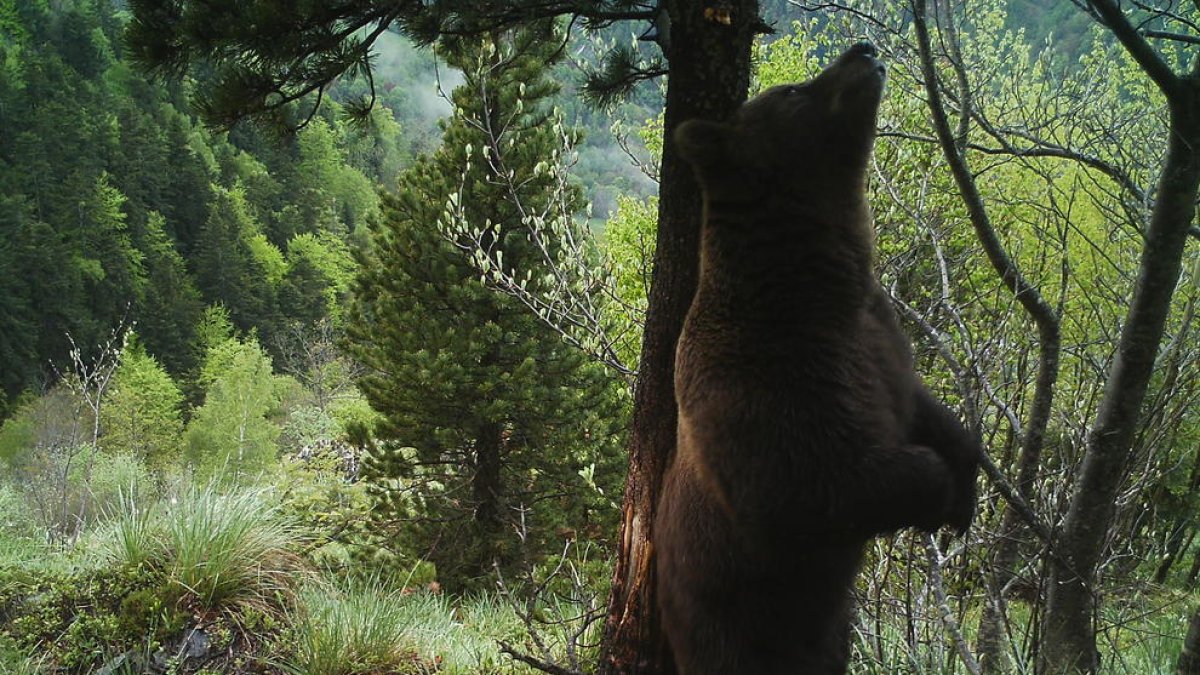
142, 411
230, 436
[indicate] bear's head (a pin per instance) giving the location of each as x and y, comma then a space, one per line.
791, 140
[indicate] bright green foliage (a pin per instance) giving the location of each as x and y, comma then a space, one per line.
487, 412
170, 307
141, 414
330, 191
213, 328
269, 258
361, 628
230, 436
109, 262
320, 270
629, 239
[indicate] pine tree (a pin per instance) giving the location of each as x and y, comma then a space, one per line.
227, 269
264, 64
114, 271
18, 323
171, 305
487, 411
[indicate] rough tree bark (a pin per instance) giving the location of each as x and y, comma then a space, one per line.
1189, 657
709, 59
1069, 636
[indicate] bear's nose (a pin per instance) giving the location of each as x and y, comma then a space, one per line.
864, 48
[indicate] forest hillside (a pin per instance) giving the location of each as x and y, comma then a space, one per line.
356, 381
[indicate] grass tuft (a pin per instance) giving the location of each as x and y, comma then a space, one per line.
357, 627
220, 549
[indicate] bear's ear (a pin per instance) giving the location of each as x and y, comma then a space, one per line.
703, 143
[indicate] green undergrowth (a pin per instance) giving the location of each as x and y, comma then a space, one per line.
356, 629
132, 595
123, 598
1141, 634
212, 549
230, 567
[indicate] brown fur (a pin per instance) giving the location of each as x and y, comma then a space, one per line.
803, 431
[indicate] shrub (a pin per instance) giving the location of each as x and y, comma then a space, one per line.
70, 618
15, 662
116, 478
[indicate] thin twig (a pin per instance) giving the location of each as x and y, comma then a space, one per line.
934, 557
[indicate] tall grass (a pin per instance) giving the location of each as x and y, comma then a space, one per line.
219, 549
369, 627
13, 662
134, 537
462, 635
356, 628
227, 548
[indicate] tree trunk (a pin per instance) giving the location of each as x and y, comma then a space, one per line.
991, 641
1189, 656
487, 492
1069, 638
485, 484
709, 76
1181, 538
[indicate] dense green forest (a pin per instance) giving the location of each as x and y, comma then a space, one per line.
346, 384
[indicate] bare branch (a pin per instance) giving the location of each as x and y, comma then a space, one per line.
1167, 35
536, 664
575, 291
934, 557
1110, 14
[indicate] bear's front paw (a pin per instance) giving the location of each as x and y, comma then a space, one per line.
962, 507
962, 457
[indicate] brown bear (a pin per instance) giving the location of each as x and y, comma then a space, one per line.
803, 430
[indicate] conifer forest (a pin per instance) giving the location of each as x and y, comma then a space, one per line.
337, 337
